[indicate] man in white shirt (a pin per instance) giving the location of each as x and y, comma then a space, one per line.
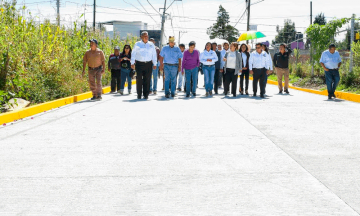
259, 66
145, 58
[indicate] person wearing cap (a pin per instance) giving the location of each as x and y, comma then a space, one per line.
114, 67
226, 47
217, 67
259, 66
331, 61
170, 62
125, 57
95, 59
156, 72
181, 82
208, 58
144, 57
190, 66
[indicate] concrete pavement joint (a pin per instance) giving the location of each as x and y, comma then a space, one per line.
289, 156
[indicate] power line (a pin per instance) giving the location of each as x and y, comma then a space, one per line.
153, 7
146, 11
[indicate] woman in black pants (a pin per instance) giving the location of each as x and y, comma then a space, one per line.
232, 69
245, 70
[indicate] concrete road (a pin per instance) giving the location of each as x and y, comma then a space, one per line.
296, 154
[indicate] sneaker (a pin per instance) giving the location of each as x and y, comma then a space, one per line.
121, 92
93, 98
334, 96
287, 91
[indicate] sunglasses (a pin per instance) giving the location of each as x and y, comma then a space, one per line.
258, 47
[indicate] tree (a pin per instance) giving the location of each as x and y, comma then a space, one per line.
221, 29
322, 35
320, 19
285, 34
345, 44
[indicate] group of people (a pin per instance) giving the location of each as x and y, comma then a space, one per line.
178, 65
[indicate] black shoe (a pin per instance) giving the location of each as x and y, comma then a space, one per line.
93, 98
216, 93
172, 95
334, 96
287, 91
146, 97
139, 97
329, 97
210, 93
155, 92
167, 96
99, 98
234, 95
194, 94
247, 93
207, 94
187, 95
262, 96
280, 91
254, 95
241, 92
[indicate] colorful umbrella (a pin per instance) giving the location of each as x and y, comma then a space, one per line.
251, 35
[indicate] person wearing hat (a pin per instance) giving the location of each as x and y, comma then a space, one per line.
125, 57
155, 73
95, 59
114, 67
170, 62
143, 56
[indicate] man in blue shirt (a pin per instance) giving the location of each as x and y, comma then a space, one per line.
331, 61
170, 63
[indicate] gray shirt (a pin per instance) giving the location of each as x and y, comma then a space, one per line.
238, 63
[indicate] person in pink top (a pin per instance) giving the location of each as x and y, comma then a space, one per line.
190, 67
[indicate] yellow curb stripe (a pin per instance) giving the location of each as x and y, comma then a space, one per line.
341, 95
39, 108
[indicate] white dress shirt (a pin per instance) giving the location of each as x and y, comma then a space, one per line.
222, 55
144, 52
270, 60
205, 55
259, 61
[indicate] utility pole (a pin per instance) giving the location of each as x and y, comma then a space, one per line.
352, 35
94, 15
248, 18
58, 12
180, 36
162, 26
311, 47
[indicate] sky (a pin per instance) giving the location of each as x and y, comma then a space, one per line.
193, 17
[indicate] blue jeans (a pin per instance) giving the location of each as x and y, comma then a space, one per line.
170, 76
209, 72
154, 78
332, 80
191, 75
125, 75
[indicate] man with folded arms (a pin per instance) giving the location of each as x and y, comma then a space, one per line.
95, 59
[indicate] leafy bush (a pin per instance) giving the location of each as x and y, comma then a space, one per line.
42, 62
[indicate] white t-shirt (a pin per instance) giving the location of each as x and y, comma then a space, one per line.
231, 60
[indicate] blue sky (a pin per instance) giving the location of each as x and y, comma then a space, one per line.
266, 14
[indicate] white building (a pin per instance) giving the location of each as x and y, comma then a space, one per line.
125, 28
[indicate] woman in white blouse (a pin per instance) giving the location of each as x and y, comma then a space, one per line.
208, 58
232, 69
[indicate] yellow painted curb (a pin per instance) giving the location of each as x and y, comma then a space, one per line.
36, 109
341, 95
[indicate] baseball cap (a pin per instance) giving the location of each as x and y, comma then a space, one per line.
117, 48
94, 40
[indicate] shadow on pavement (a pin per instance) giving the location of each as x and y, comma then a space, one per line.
334, 100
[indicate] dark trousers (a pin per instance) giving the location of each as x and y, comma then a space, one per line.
216, 80
115, 79
244, 74
221, 79
332, 80
229, 77
259, 76
143, 78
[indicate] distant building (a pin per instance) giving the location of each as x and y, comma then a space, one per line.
125, 28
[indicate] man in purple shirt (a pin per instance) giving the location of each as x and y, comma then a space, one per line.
190, 66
